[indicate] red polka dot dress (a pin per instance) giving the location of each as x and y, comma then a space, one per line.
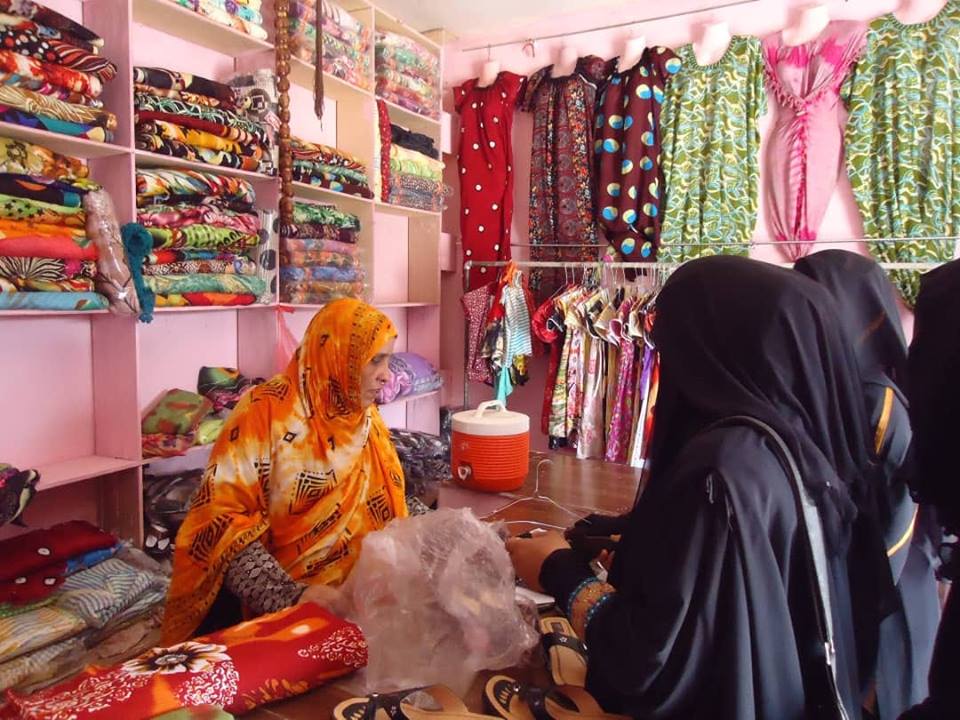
486, 172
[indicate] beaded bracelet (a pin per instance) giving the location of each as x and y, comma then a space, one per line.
585, 601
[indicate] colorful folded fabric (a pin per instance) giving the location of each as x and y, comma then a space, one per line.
87, 560
158, 185
99, 594
316, 245
325, 273
38, 86
29, 285
171, 255
15, 23
36, 549
317, 152
25, 158
180, 284
417, 192
53, 301
186, 214
31, 70
46, 106
307, 173
309, 292
162, 445
197, 138
223, 386
338, 172
34, 664
205, 299
164, 79
323, 257
319, 232
184, 96
20, 228
178, 412
306, 645
213, 11
17, 208
239, 266
18, 270
47, 246
324, 215
85, 131
220, 116
23, 633
34, 45
238, 11
175, 148
201, 236
232, 133
415, 163
415, 141
50, 18
56, 192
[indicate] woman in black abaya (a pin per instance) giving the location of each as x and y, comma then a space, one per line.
711, 611
895, 650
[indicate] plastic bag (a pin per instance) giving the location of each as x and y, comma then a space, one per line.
435, 596
113, 274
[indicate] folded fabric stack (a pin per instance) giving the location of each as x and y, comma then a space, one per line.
426, 463
17, 488
408, 74
319, 256
182, 419
70, 595
410, 374
324, 166
346, 40
257, 94
418, 142
51, 73
205, 230
416, 180
196, 119
47, 260
241, 15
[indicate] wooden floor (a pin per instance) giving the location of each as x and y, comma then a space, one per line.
582, 486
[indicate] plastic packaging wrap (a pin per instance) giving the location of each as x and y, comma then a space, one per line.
435, 597
113, 273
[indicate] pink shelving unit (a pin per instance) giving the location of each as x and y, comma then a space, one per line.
82, 381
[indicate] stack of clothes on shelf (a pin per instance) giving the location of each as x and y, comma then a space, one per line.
256, 92
324, 166
182, 419
411, 172
408, 74
346, 40
410, 374
242, 15
196, 119
73, 595
52, 73
319, 255
17, 488
47, 259
426, 463
166, 500
205, 234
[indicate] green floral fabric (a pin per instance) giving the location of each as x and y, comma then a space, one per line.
902, 158
710, 141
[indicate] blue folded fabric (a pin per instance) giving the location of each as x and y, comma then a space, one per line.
79, 301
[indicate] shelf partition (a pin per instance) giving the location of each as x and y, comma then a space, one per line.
172, 19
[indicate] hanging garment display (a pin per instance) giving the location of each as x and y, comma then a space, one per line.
805, 152
902, 159
629, 183
710, 141
561, 162
485, 159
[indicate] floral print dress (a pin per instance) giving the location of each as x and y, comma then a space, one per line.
710, 141
902, 156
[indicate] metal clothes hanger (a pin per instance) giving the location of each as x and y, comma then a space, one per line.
537, 495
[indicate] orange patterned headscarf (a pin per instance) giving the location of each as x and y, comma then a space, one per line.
300, 466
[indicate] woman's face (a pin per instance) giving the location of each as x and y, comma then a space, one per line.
376, 373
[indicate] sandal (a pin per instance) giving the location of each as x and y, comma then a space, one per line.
566, 654
516, 701
393, 706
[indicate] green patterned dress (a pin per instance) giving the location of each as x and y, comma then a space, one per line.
902, 138
710, 141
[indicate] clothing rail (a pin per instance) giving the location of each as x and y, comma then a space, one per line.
601, 265
759, 243
614, 26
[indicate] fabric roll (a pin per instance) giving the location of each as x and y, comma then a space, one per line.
179, 284
322, 258
324, 215
173, 255
184, 96
320, 232
25, 158
164, 79
16, 24
51, 124
175, 148
50, 18
309, 246
231, 133
34, 45
197, 138
201, 236
323, 273
309, 174
43, 88
220, 116
239, 266
31, 69
157, 184
39, 104
188, 214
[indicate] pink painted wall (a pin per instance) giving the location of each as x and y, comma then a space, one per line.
758, 19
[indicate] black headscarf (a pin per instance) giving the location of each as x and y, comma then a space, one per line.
866, 306
933, 387
741, 337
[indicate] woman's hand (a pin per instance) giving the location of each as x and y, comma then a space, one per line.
529, 554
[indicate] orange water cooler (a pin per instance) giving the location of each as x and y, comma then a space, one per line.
490, 448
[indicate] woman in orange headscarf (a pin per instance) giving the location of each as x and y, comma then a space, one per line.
303, 470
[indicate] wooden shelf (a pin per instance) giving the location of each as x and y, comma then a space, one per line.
404, 210
339, 90
212, 308
412, 398
152, 160
183, 23
63, 144
79, 469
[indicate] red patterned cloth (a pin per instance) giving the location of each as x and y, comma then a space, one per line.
268, 659
386, 140
34, 550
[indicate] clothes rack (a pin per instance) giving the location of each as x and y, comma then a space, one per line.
759, 243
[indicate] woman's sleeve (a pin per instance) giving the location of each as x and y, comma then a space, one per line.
261, 584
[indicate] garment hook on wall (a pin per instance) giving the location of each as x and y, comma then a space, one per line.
530, 48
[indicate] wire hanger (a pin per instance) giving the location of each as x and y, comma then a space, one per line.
537, 495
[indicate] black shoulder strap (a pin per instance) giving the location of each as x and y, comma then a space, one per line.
809, 518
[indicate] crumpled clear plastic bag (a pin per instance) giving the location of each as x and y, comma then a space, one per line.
435, 596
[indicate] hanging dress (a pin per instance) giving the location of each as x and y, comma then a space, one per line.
593, 420
710, 125
805, 150
901, 138
485, 162
561, 162
627, 145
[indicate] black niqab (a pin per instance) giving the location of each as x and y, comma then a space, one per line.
741, 337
